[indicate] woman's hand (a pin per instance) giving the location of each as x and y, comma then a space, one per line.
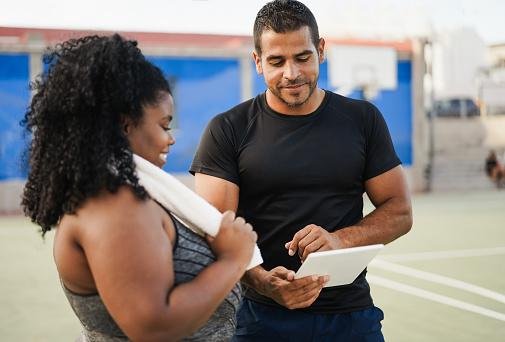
235, 239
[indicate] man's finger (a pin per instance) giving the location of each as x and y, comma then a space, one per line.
319, 283
307, 296
306, 300
301, 295
314, 246
305, 283
296, 238
307, 240
310, 293
283, 273
315, 281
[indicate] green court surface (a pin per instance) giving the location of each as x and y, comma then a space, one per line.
444, 281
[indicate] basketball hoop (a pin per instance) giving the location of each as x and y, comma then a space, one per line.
365, 77
370, 91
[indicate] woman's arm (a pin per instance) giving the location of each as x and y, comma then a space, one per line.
130, 257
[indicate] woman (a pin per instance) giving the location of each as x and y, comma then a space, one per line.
129, 269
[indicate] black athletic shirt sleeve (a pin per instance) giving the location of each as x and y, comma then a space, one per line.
216, 153
380, 152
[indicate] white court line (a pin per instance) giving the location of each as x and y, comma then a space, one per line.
434, 297
461, 253
435, 278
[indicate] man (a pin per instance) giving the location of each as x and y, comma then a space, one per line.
295, 162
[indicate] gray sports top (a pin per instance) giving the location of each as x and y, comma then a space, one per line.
190, 255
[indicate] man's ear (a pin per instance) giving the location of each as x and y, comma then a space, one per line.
320, 50
257, 61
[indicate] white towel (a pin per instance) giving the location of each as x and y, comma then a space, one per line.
191, 209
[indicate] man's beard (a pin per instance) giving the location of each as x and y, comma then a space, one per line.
297, 103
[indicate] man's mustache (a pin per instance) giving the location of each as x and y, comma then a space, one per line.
294, 83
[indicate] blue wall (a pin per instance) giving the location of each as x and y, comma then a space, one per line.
14, 97
395, 105
203, 87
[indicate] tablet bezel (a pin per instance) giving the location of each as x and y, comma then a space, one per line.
342, 265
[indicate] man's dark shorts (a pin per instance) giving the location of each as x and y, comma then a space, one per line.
258, 322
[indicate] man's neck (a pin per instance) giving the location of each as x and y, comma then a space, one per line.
308, 107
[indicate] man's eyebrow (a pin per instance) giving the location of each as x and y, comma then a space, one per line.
271, 57
303, 53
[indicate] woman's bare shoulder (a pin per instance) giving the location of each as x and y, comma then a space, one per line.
110, 204
108, 211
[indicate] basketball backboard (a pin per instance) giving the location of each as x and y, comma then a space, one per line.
369, 68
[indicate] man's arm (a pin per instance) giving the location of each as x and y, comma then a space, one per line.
219, 192
278, 283
391, 219
392, 216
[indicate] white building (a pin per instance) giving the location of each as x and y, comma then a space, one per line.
458, 58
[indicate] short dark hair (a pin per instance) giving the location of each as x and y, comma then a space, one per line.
283, 16
78, 145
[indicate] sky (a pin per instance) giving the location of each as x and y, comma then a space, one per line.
376, 19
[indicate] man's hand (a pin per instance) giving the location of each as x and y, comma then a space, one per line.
310, 239
280, 285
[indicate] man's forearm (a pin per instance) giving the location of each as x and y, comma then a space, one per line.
253, 278
386, 223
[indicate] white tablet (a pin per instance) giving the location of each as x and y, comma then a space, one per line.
342, 265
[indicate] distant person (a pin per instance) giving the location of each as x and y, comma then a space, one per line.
494, 169
129, 268
295, 161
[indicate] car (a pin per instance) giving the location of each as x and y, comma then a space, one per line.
456, 108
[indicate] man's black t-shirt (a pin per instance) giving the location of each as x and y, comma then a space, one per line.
298, 170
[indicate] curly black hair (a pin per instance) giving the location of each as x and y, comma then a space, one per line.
283, 16
78, 146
